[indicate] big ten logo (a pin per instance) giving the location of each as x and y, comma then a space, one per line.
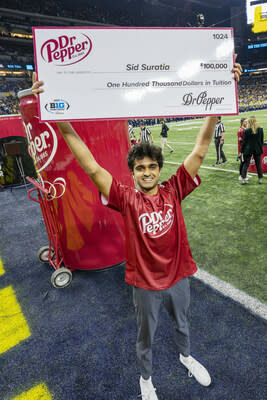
66, 50
57, 106
42, 146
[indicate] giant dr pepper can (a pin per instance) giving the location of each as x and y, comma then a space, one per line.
91, 235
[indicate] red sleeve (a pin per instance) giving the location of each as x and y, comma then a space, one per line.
119, 196
183, 183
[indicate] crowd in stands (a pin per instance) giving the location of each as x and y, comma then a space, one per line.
252, 97
11, 85
139, 13
252, 93
9, 102
9, 105
89, 12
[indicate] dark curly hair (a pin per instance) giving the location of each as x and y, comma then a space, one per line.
143, 149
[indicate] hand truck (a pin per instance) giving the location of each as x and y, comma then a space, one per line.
52, 253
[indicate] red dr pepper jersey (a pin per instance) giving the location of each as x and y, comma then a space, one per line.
157, 249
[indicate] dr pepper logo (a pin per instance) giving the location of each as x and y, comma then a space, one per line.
42, 144
66, 49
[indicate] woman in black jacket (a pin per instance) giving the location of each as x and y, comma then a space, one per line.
252, 145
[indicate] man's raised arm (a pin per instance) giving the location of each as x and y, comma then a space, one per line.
195, 159
100, 177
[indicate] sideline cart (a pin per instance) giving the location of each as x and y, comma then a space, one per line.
52, 253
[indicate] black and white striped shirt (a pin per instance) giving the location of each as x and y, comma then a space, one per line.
145, 134
219, 129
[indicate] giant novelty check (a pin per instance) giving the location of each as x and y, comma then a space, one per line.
125, 73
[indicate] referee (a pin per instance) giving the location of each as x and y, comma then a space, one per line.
219, 140
144, 135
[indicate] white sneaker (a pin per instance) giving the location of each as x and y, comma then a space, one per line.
148, 392
240, 178
196, 369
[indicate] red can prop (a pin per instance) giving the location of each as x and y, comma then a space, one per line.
91, 235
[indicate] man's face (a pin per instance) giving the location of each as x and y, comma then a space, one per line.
146, 174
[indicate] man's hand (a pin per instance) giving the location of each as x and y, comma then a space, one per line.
36, 85
237, 70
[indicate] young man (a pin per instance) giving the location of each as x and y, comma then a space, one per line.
159, 259
145, 134
164, 136
219, 141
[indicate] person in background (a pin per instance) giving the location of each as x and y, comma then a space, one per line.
164, 136
133, 139
252, 145
145, 134
219, 142
240, 134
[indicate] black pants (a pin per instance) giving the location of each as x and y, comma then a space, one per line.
219, 150
257, 158
241, 165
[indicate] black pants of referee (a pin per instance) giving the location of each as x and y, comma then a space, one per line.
147, 304
219, 150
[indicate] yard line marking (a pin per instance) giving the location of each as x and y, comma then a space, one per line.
194, 122
187, 129
13, 328
36, 393
249, 302
203, 166
192, 143
2, 271
185, 143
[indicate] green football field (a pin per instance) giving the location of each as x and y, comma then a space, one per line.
226, 221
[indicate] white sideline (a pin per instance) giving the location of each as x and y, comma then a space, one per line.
192, 143
203, 166
249, 302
